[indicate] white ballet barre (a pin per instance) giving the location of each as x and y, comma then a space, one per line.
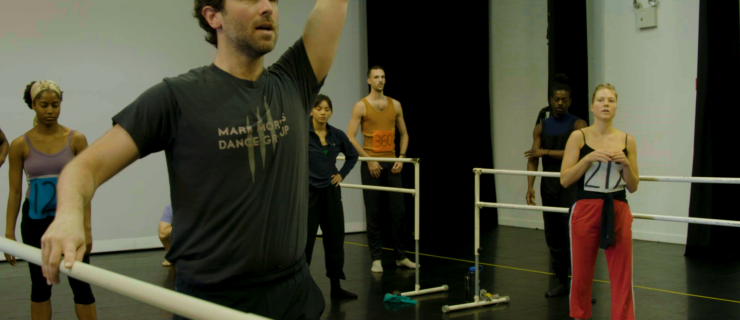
711, 222
159, 297
415, 192
404, 160
642, 178
377, 188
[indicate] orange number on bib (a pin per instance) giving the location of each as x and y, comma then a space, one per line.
383, 141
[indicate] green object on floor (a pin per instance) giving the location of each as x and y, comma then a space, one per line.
398, 299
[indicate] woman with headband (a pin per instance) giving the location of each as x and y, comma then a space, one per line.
602, 162
43, 152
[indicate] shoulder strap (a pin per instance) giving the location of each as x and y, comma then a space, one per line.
625, 140
367, 104
584, 135
392, 106
28, 142
69, 139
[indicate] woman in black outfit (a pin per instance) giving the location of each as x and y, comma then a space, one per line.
325, 196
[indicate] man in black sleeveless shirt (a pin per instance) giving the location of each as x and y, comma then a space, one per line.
554, 126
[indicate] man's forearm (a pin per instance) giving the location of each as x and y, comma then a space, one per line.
404, 143
532, 165
359, 148
76, 188
557, 154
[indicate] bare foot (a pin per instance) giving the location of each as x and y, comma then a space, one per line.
166, 264
407, 263
377, 267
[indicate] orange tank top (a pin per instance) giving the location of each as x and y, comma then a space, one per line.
379, 129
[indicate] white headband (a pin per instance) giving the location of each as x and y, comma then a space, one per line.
43, 85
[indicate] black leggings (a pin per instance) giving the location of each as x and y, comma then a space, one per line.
31, 231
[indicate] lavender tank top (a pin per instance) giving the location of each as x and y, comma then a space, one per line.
44, 166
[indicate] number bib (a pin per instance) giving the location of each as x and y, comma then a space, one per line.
383, 140
42, 199
604, 177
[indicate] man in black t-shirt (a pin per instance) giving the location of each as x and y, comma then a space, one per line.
235, 135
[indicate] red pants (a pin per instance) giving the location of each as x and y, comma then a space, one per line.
585, 228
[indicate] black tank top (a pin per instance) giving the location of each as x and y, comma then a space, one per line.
601, 177
555, 142
551, 187
603, 181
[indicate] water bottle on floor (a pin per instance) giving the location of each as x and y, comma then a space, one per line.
470, 284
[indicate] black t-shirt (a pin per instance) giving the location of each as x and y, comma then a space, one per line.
237, 156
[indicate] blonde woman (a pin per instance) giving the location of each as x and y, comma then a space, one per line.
602, 162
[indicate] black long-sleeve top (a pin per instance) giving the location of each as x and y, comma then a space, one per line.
322, 160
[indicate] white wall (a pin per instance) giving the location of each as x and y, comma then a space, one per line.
104, 54
519, 91
654, 72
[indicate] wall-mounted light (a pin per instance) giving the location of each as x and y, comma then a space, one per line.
647, 17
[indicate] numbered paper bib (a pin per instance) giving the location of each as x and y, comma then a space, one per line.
42, 199
604, 178
383, 140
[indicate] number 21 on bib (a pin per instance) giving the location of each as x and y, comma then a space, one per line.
43, 198
604, 177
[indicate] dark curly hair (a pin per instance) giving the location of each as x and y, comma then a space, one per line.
27, 95
217, 5
561, 83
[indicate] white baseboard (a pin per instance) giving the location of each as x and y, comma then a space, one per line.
126, 244
657, 237
143, 243
531, 224
114, 245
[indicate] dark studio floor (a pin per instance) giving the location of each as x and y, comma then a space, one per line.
667, 284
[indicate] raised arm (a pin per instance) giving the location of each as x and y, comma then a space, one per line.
322, 33
3, 148
77, 184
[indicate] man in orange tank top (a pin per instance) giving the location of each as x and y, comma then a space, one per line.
379, 117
